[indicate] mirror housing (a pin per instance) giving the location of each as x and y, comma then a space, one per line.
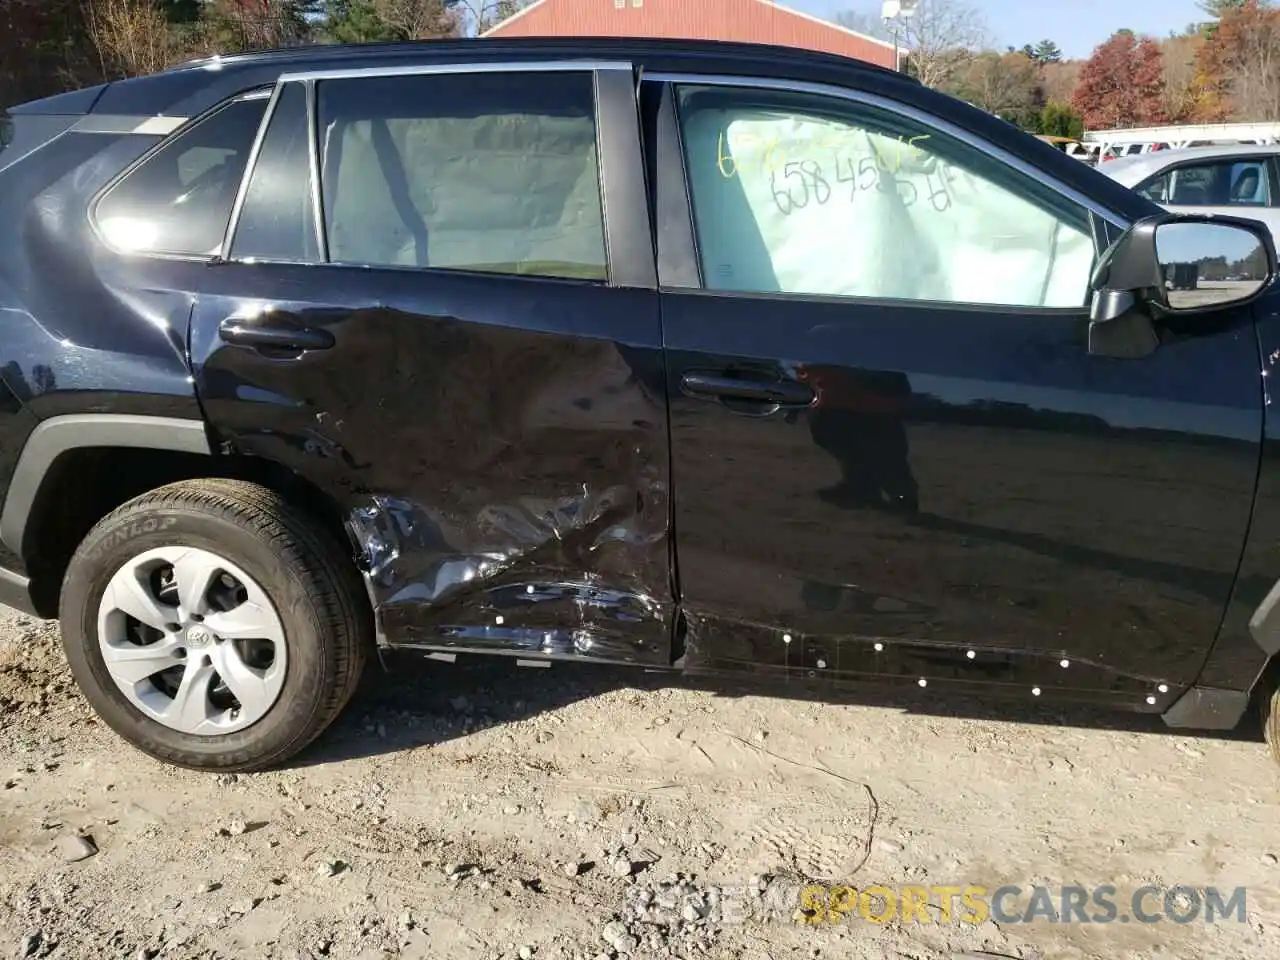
1174, 265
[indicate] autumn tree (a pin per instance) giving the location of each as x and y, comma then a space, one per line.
480, 15
1220, 8
1122, 85
1185, 96
939, 38
258, 24
180, 11
355, 21
1007, 85
1240, 63
418, 19
44, 49
131, 36
1058, 80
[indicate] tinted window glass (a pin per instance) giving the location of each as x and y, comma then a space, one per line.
277, 220
799, 194
179, 200
1219, 183
492, 172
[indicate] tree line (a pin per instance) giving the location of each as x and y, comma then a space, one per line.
1223, 68
47, 46
1226, 67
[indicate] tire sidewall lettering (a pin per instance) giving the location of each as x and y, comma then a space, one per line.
129, 531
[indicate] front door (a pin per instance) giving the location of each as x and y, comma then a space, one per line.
892, 454
440, 346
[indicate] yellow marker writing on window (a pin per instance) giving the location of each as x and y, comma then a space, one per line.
725, 163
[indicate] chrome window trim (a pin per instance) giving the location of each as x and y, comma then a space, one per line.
128, 124
894, 106
493, 66
249, 166
313, 158
601, 178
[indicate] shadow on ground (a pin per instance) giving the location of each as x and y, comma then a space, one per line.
418, 702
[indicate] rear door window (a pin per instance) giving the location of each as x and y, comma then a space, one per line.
277, 220
179, 199
1218, 183
493, 172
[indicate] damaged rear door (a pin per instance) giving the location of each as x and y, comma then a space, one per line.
438, 307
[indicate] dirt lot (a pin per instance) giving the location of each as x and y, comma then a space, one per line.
487, 811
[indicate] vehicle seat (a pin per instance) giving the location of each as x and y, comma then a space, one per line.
1245, 189
1189, 194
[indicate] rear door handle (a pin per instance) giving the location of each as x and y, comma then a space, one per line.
787, 393
274, 330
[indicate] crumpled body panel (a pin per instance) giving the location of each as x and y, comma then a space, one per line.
504, 479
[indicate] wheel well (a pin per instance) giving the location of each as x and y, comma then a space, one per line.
84, 485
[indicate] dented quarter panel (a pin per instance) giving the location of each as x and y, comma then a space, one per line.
498, 446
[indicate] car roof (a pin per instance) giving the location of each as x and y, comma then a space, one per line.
1132, 170
370, 53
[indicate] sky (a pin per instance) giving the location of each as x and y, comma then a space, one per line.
1077, 26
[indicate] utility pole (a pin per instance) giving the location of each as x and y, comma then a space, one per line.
895, 14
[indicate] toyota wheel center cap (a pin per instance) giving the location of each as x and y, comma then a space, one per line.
199, 636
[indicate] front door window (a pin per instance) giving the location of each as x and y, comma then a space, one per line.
803, 194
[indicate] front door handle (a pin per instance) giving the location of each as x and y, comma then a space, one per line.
274, 330
781, 393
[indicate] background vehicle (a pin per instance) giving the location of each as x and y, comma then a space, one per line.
1183, 276
1087, 153
1132, 141
613, 351
1241, 180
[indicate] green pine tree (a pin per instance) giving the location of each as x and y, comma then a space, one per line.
1059, 120
355, 21
1046, 51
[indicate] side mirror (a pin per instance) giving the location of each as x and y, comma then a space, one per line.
1166, 266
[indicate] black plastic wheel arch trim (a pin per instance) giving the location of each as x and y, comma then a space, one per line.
1264, 625
57, 435
15, 591
1207, 708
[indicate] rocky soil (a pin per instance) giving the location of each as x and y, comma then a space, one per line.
485, 811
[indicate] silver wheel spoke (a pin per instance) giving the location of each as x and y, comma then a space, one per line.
130, 663
213, 642
191, 708
131, 596
248, 685
194, 572
248, 621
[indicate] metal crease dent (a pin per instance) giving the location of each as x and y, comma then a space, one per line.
563, 577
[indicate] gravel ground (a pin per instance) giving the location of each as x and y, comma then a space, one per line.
481, 810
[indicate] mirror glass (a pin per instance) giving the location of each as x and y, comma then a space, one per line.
1209, 264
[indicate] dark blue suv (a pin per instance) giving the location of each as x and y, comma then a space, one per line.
706, 357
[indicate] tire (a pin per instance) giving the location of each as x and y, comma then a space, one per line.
1271, 720
270, 559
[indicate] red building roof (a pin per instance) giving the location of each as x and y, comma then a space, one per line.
748, 21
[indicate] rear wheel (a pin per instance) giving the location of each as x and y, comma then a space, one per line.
214, 626
1271, 720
